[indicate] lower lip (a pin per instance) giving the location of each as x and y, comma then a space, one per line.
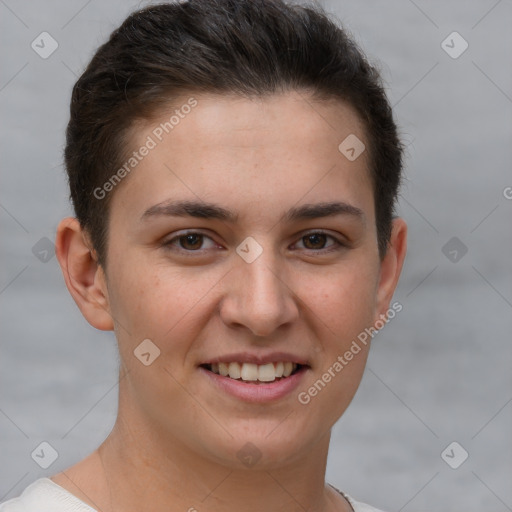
259, 393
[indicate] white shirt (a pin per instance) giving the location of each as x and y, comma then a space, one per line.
44, 495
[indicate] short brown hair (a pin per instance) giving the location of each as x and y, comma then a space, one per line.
246, 47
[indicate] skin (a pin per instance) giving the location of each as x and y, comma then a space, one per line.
258, 158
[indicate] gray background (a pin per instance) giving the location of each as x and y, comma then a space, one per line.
438, 373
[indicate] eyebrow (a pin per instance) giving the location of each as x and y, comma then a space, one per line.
205, 210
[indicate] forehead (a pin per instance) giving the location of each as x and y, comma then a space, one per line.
249, 153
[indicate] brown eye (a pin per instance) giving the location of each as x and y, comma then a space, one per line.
189, 243
192, 241
314, 240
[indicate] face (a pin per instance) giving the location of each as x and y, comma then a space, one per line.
274, 268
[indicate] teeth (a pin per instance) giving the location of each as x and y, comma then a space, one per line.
234, 370
223, 369
266, 372
251, 372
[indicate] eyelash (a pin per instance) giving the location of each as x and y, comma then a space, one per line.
168, 245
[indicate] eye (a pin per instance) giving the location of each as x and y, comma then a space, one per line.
316, 240
191, 241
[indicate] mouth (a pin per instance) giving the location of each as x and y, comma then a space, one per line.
251, 373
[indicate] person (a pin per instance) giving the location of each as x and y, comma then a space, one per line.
234, 167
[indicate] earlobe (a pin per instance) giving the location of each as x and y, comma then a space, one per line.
391, 266
84, 277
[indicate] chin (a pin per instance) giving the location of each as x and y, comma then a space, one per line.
263, 448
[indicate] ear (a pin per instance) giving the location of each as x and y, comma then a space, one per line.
391, 266
85, 278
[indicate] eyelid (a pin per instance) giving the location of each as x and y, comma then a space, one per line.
339, 242
167, 243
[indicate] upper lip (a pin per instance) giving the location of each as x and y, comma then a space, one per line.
259, 359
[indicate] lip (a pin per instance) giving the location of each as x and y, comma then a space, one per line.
256, 393
247, 357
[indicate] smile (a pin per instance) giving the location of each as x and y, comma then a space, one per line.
250, 372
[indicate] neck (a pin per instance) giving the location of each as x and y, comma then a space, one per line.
144, 471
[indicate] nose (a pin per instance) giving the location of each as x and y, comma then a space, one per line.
258, 297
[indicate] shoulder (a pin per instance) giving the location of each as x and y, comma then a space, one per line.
44, 495
356, 505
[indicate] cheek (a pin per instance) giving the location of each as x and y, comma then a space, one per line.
341, 307
168, 306
342, 301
